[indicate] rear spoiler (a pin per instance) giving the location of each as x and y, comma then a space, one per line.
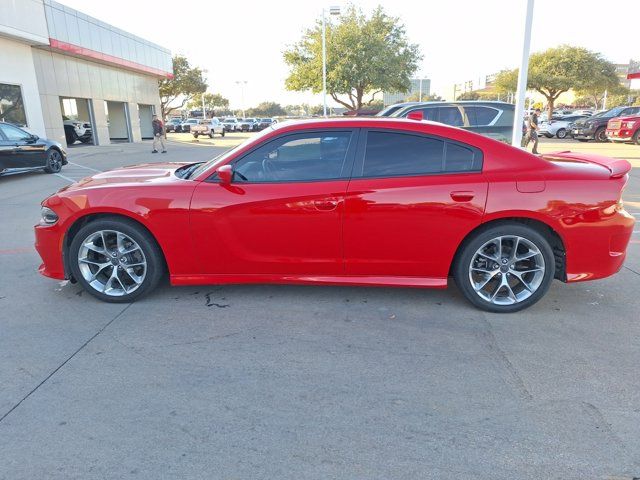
617, 167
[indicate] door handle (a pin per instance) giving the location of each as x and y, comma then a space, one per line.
462, 196
326, 204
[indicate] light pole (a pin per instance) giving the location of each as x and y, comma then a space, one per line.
242, 84
332, 11
204, 112
516, 135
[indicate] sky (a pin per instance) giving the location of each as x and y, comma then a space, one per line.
460, 40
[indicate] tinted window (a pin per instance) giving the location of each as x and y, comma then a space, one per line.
302, 157
461, 159
390, 154
631, 111
428, 113
450, 116
13, 134
480, 116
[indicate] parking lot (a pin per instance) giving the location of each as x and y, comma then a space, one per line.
293, 382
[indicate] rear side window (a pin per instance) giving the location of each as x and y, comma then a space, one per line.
392, 154
450, 116
480, 116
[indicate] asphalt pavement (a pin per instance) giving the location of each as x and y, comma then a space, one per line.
293, 382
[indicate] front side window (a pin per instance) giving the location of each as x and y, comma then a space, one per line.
14, 134
430, 113
296, 158
12, 104
393, 154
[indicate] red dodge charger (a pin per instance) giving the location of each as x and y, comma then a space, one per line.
385, 202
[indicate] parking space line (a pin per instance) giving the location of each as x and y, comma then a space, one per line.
82, 166
66, 178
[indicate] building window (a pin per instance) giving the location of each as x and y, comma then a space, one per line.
12, 105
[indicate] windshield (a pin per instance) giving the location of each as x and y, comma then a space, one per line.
614, 112
389, 110
203, 167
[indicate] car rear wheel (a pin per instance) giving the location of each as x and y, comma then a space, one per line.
54, 161
195, 135
636, 138
115, 260
505, 268
601, 135
222, 133
561, 133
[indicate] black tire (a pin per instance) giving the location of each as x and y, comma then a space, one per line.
222, 133
561, 133
70, 136
54, 161
468, 251
153, 256
195, 135
601, 135
636, 137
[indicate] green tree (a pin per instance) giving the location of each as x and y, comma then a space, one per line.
559, 69
212, 102
425, 98
469, 96
624, 96
365, 55
266, 109
176, 92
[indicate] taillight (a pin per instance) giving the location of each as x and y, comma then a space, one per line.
628, 125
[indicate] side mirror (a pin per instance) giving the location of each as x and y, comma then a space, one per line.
225, 174
32, 138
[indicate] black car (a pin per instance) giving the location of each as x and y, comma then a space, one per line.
21, 151
391, 109
173, 125
492, 119
595, 126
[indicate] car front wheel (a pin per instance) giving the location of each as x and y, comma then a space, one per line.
601, 135
115, 260
562, 133
505, 268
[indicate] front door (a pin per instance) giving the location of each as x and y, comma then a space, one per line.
410, 203
283, 212
19, 149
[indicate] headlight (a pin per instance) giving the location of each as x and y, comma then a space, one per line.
48, 216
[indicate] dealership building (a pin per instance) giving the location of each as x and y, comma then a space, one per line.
61, 69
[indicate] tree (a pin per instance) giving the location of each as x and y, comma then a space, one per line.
212, 101
469, 96
266, 109
557, 70
176, 92
425, 98
364, 57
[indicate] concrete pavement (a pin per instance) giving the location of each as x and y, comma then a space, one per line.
290, 382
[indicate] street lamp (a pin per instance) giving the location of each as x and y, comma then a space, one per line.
332, 11
204, 112
516, 134
242, 84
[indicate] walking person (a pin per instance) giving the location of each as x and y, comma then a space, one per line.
158, 135
532, 131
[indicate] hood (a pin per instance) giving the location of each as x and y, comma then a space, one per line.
140, 175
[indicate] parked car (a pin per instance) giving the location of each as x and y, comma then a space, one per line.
391, 109
77, 130
22, 151
188, 123
559, 128
624, 129
265, 122
492, 119
209, 127
595, 126
364, 201
247, 124
173, 125
230, 124
586, 113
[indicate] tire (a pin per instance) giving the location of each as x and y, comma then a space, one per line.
132, 281
222, 133
195, 135
70, 137
472, 269
600, 135
636, 137
54, 161
561, 133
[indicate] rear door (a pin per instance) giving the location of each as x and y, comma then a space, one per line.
21, 150
410, 202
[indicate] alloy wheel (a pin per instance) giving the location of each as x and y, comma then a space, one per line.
112, 263
507, 270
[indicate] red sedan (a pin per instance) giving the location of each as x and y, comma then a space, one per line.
385, 202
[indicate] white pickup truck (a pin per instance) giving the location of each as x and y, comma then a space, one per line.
208, 127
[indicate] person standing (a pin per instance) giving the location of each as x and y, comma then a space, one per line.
532, 131
158, 135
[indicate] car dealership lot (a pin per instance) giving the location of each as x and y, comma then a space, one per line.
308, 382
